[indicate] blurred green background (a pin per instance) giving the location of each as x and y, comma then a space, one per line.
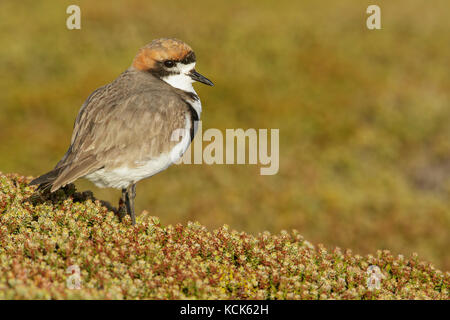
364, 116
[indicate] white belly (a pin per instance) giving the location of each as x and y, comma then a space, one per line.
121, 178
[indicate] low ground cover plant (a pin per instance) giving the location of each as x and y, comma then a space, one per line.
45, 242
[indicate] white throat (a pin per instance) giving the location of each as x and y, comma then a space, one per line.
184, 82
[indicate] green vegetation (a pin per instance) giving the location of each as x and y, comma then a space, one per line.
363, 115
39, 240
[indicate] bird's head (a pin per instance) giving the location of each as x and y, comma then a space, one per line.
170, 60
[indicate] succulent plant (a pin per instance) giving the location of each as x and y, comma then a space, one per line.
71, 246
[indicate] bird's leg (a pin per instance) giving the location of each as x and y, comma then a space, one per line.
130, 195
122, 210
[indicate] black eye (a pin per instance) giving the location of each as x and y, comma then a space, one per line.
169, 63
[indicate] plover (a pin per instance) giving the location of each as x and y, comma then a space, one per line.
124, 132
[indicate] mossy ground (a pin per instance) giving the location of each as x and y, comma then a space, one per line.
39, 240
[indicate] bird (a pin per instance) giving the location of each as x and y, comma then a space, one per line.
136, 126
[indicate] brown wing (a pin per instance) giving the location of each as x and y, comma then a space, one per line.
109, 134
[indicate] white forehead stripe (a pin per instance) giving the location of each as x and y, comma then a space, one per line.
185, 68
181, 80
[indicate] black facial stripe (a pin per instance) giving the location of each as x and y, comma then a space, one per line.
161, 72
190, 58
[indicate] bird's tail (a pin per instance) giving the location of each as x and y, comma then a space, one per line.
46, 180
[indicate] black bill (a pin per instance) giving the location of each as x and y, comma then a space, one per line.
198, 77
